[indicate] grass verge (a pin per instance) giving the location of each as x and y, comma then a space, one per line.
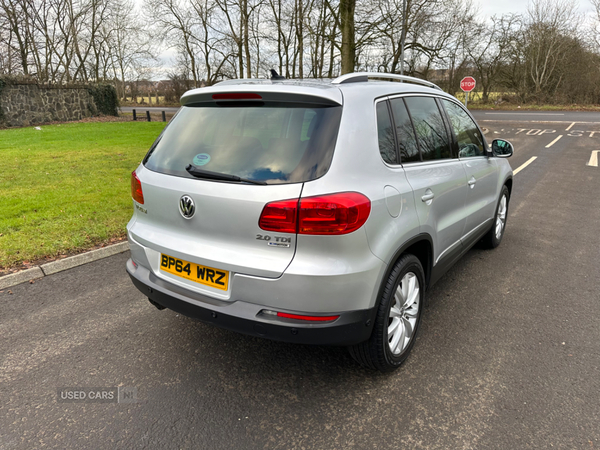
66, 187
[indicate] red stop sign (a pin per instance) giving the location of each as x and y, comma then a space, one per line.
467, 84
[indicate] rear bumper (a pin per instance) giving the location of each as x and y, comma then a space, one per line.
351, 327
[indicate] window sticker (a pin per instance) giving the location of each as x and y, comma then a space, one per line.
201, 159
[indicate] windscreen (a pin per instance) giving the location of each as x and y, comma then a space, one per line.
276, 143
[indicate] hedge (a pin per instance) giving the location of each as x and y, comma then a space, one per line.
106, 99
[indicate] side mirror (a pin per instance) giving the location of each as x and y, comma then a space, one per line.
502, 148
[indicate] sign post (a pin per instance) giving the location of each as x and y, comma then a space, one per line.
467, 84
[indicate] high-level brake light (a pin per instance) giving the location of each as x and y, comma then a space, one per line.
237, 96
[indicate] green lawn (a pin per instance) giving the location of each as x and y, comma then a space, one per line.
67, 187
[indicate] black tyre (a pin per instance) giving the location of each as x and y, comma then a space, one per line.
493, 237
398, 318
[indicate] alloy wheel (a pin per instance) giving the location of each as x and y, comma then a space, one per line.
501, 217
404, 313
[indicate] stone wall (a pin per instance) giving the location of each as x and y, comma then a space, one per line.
29, 104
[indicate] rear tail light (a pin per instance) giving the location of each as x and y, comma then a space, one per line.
333, 214
340, 213
136, 188
280, 216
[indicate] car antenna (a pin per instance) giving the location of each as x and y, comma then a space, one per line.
276, 76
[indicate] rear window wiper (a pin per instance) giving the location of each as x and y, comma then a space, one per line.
208, 175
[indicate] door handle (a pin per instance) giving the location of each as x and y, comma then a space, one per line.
428, 197
472, 182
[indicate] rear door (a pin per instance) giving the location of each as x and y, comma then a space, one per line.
438, 180
278, 145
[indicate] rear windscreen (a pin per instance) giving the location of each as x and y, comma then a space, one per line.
276, 143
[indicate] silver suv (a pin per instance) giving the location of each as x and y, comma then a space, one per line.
316, 212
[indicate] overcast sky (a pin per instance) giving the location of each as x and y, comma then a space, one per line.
488, 8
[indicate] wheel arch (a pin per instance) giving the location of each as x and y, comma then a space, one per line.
509, 184
421, 246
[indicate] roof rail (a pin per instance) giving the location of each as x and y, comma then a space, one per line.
364, 76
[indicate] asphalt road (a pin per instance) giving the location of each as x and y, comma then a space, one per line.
508, 356
537, 116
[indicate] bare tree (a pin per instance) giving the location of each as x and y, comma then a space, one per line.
125, 43
532, 55
212, 46
550, 23
487, 50
175, 21
18, 21
321, 29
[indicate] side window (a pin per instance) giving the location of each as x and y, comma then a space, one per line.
409, 150
430, 128
385, 134
470, 141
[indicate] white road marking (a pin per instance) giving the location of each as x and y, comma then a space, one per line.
524, 114
554, 141
593, 159
517, 170
533, 132
570, 126
534, 121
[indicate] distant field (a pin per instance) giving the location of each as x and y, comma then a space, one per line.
66, 187
476, 96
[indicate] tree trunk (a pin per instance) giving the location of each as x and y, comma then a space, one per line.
245, 23
300, 36
331, 52
348, 43
403, 35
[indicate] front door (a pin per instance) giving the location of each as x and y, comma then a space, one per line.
480, 169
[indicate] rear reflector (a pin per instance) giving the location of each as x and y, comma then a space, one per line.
136, 188
308, 318
237, 96
340, 213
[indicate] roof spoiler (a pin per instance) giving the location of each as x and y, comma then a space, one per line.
248, 92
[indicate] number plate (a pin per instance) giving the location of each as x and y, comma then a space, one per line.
195, 272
